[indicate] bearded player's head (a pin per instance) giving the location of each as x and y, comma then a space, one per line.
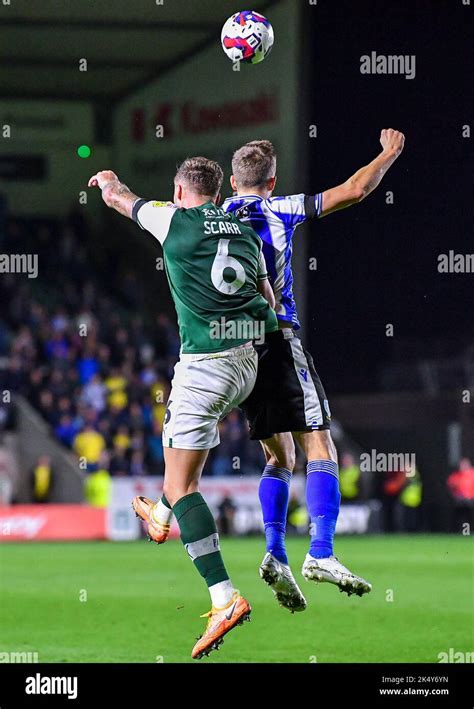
197, 181
254, 169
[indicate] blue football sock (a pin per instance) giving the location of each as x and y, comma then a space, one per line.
274, 492
323, 500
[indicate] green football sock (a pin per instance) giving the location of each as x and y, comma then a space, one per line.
199, 536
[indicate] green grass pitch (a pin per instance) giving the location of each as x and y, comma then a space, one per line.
137, 602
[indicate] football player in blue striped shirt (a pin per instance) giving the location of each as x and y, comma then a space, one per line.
289, 402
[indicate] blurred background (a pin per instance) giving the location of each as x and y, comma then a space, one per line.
88, 339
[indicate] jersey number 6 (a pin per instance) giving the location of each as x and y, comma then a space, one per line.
222, 262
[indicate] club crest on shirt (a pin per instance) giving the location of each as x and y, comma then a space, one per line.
242, 213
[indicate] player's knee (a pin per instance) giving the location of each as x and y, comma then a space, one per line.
318, 445
280, 451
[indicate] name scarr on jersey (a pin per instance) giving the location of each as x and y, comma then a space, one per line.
221, 228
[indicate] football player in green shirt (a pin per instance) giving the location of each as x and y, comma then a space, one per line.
216, 272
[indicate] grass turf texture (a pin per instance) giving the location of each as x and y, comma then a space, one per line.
144, 601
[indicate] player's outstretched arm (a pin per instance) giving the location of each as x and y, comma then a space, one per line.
114, 193
365, 180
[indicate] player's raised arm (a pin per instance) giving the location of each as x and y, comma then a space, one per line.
114, 193
365, 180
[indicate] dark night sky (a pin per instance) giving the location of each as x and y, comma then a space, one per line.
377, 264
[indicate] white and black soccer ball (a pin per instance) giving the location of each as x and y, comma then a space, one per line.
247, 37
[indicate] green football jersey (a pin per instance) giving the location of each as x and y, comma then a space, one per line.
212, 262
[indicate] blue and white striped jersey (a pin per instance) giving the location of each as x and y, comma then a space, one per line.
275, 220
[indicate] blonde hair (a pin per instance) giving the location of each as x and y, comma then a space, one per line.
254, 163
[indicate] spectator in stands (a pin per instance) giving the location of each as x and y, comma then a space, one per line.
42, 479
64, 407
116, 384
155, 449
89, 444
46, 406
461, 486
392, 487
94, 393
121, 441
66, 430
16, 374
119, 460
23, 345
137, 463
57, 346
135, 417
410, 499
226, 517
105, 429
221, 457
402, 500
88, 365
60, 320
98, 486
297, 515
349, 478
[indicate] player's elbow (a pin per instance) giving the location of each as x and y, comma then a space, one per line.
360, 194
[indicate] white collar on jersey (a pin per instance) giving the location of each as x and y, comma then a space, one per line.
246, 196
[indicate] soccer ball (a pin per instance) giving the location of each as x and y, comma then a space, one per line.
247, 37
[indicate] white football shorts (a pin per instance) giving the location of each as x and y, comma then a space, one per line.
204, 389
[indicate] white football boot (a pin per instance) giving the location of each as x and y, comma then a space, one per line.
331, 570
282, 582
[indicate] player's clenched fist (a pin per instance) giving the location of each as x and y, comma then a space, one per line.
102, 178
392, 140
